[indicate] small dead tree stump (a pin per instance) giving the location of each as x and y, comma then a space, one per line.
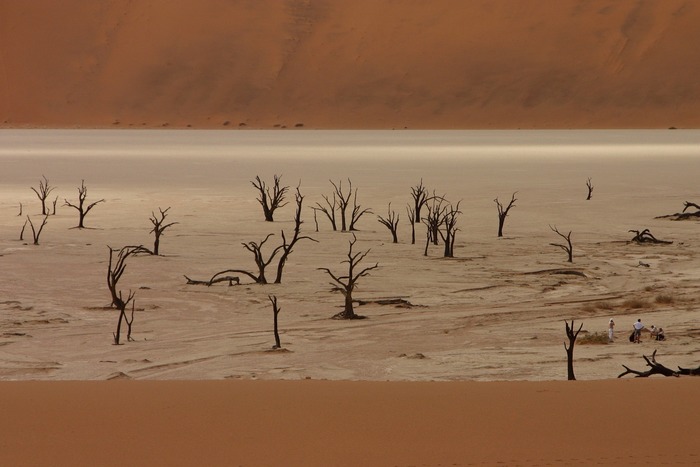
275, 311
589, 185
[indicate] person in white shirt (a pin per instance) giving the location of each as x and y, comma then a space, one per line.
611, 327
638, 328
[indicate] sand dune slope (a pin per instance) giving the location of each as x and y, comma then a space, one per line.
359, 64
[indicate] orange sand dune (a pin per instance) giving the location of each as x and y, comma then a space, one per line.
322, 423
350, 64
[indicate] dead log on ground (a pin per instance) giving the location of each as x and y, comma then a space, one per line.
656, 368
645, 236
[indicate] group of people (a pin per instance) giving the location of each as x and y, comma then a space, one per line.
654, 332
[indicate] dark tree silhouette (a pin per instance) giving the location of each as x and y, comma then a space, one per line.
80, 207
270, 200
328, 210
568, 247
348, 283
449, 223
287, 247
589, 185
159, 227
411, 211
357, 212
43, 193
656, 368
115, 269
20, 210
391, 222
420, 196
36, 232
261, 261
275, 311
434, 218
645, 236
342, 202
503, 212
570, 349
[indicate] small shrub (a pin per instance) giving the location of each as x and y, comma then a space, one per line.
634, 303
594, 338
604, 306
664, 299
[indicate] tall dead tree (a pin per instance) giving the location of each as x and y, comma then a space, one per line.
420, 196
80, 207
270, 200
391, 222
261, 261
434, 218
159, 227
343, 201
589, 185
503, 212
568, 247
411, 211
347, 283
36, 232
275, 311
449, 229
115, 269
570, 349
43, 193
328, 209
287, 247
357, 212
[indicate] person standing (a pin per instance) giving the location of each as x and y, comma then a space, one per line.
638, 328
611, 327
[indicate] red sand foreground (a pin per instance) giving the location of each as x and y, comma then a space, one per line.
324, 423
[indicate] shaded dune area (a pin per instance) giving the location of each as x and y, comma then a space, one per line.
360, 64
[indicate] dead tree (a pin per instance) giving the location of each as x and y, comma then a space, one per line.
115, 269
328, 210
391, 222
54, 206
589, 185
656, 368
347, 283
343, 201
411, 211
357, 212
261, 262
645, 236
270, 200
20, 210
568, 248
420, 196
683, 214
36, 232
570, 349
449, 223
503, 212
159, 227
287, 248
43, 193
275, 312
80, 207
434, 218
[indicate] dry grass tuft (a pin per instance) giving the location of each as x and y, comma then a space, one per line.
664, 299
593, 338
634, 303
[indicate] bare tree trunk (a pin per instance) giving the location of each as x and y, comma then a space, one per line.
503, 212
589, 185
275, 312
570, 349
568, 248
